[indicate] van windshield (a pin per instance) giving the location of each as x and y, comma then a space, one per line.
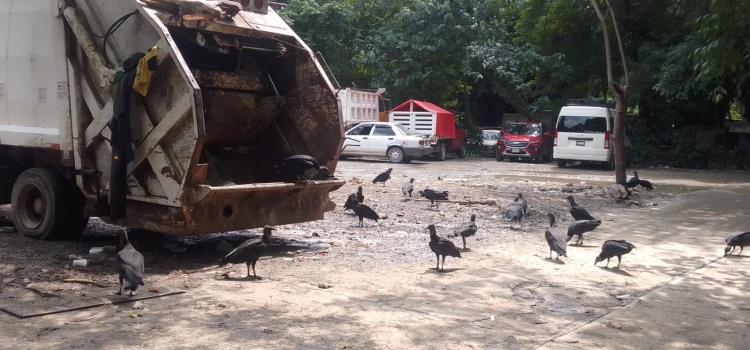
524, 129
586, 125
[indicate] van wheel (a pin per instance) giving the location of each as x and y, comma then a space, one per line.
396, 155
45, 207
442, 152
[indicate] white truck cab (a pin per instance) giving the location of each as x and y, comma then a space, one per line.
583, 133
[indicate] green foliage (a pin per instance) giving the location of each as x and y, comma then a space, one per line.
689, 59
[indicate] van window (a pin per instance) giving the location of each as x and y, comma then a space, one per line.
587, 125
362, 130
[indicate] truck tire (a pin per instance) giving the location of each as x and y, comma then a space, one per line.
462, 152
561, 163
46, 207
442, 152
396, 155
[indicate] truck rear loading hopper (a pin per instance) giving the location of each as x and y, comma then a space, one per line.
230, 98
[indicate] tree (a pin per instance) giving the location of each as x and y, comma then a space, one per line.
618, 91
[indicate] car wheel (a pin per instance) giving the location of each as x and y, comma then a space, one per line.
561, 163
498, 157
442, 151
396, 155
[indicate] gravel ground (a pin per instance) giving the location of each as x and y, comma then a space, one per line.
381, 274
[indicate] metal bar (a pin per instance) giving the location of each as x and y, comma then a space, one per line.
89, 306
182, 107
106, 75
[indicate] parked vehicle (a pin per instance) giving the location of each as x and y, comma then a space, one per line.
583, 133
530, 140
489, 141
227, 100
385, 139
359, 106
425, 118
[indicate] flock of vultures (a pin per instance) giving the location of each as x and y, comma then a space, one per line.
301, 168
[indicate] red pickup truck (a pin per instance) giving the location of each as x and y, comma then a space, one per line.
531, 140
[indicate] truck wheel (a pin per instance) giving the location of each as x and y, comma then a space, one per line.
561, 163
442, 152
462, 152
396, 155
45, 207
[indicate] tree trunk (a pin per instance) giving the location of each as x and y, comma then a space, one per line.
619, 134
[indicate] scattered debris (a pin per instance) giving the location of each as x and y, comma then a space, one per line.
82, 281
96, 250
324, 286
138, 306
80, 263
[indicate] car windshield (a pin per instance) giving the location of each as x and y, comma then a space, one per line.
524, 129
403, 129
488, 135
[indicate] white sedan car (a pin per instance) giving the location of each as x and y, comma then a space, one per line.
385, 139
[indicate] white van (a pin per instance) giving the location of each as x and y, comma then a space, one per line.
583, 133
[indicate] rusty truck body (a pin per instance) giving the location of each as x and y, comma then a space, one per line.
230, 97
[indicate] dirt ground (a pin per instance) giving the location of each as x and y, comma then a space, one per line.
376, 287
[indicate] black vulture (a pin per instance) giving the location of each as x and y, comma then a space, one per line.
297, 168
646, 184
351, 202
467, 229
383, 177
578, 228
249, 251
555, 237
633, 181
577, 212
514, 212
408, 187
741, 240
364, 212
521, 201
441, 247
434, 196
360, 195
614, 248
130, 265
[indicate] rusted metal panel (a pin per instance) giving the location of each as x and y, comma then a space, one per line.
242, 81
237, 207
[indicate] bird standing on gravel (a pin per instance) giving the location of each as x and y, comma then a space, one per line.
351, 202
578, 228
633, 181
130, 265
646, 184
614, 248
467, 229
354, 199
516, 210
249, 251
741, 240
577, 212
383, 177
408, 187
364, 212
555, 237
434, 197
441, 247
360, 195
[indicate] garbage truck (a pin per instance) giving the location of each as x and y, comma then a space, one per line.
222, 92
